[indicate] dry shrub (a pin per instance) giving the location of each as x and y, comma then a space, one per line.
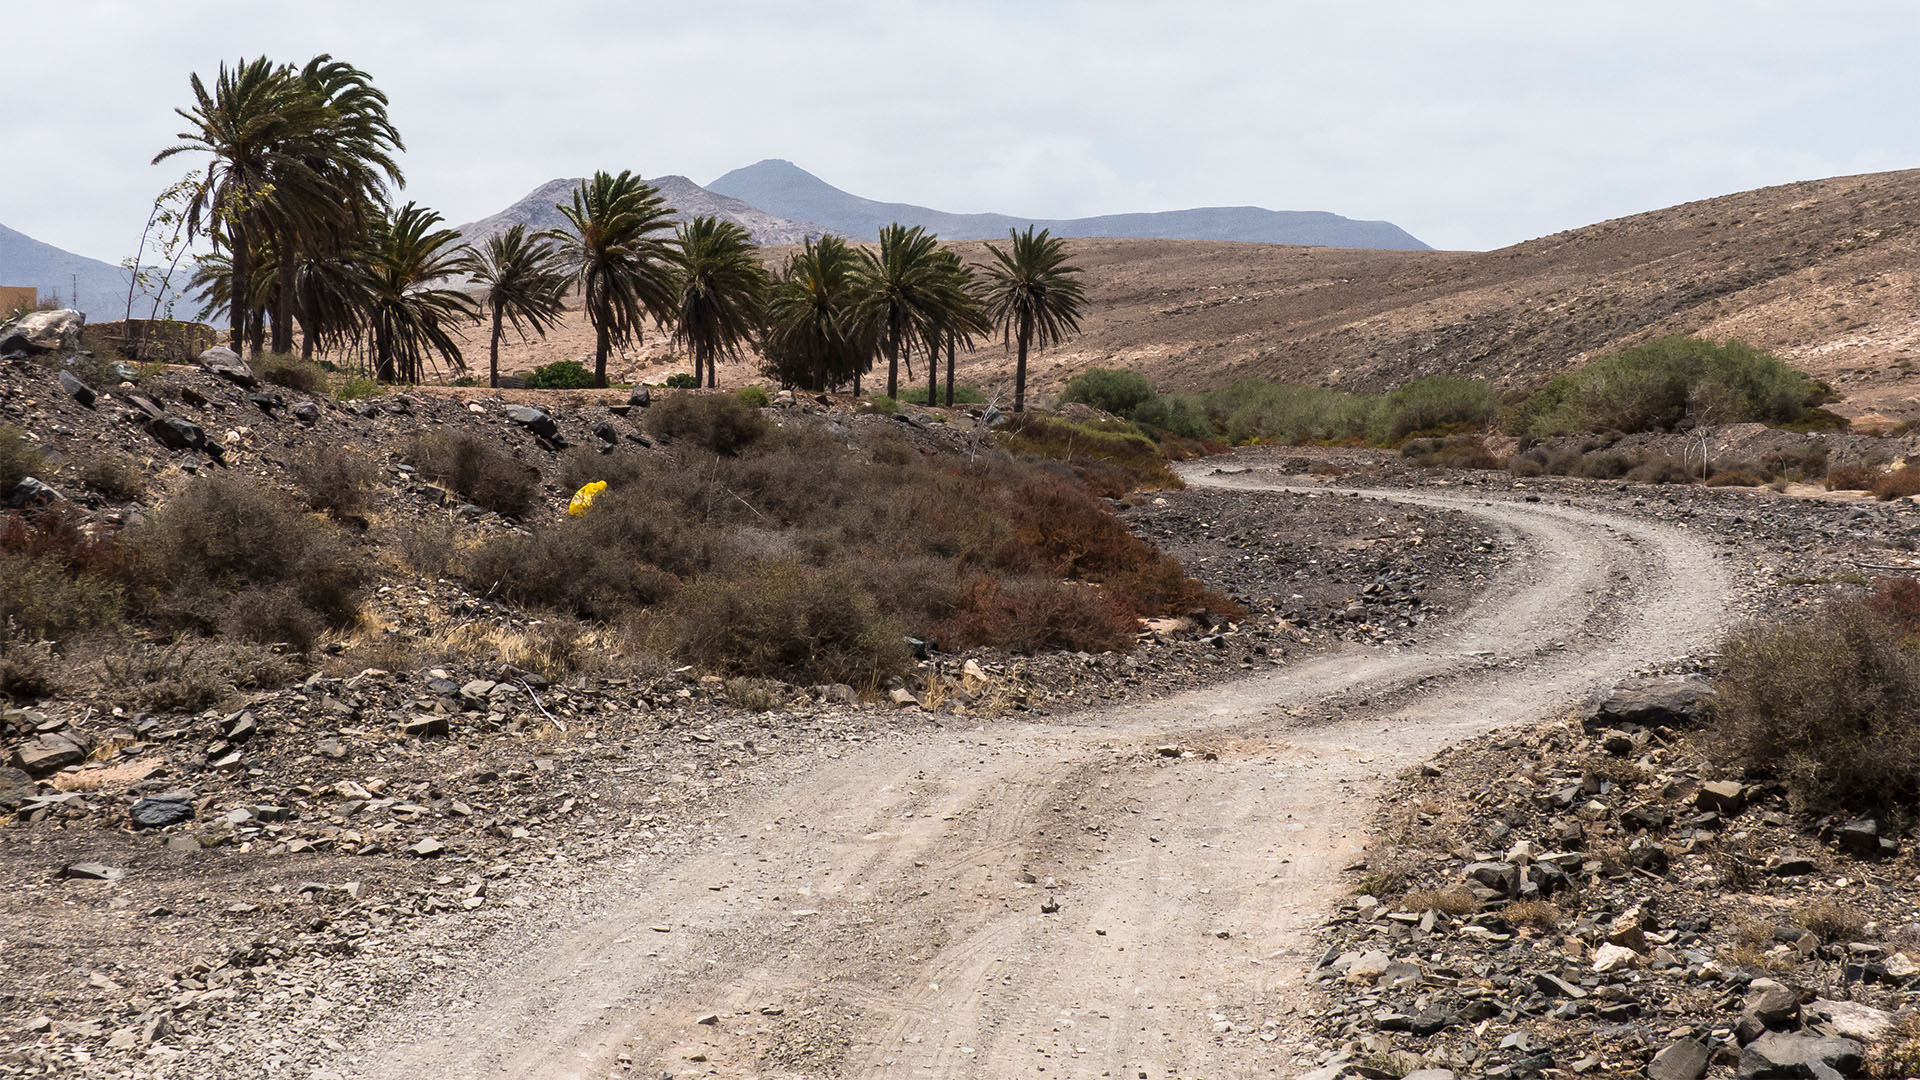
1850, 478
1735, 477
1527, 464
280, 369
1455, 902
481, 472
116, 476
1539, 914
786, 621
19, 458
29, 670
1833, 921
1897, 483
226, 554
1030, 614
1831, 703
336, 481
1112, 458
58, 576
1454, 452
1897, 600
721, 424
1660, 469
185, 676
1897, 1055
619, 469
428, 546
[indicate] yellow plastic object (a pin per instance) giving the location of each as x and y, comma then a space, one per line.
583, 499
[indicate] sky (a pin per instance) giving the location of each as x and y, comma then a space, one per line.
1469, 123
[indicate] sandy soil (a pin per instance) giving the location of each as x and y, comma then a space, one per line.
1126, 892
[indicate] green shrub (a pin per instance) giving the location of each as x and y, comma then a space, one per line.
722, 424
754, 396
280, 369
1111, 458
1114, 391
356, 387
1830, 704
227, 554
478, 470
560, 375
19, 458
1439, 404
881, 403
1669, 384
682, 381
114, 475
1180, 416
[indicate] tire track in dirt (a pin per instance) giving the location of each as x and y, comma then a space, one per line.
878, 905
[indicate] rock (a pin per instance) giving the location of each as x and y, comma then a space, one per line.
158, 813
1771, 1003
1429, 1074
1665, 701
1721, 797
332, 749
640, 398
903, 698
1862, 839
1554, 986
1503, 878
783, 398
427, 849
606, 433
39, 332
533, 420
1850, 1019
240, 726
16, 787
1629, 930
1778, 1054
227, 364
32, 492
306, 412
78, 390
1369, 967
92, 871
1684, 1060
424, 727
48, 753
1790, 864
972, 670
1611, 957
175, 433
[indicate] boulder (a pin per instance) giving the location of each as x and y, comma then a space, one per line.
1862, 839
1610, 957
1771, 1003
76, 389
92, 871
16, 787
533, 420
1778, 1054
175, 433
640, 398
1850, 1019
31, 492
1503, 878
48, 753
39, 332
227, 364
1669, 701
1684, 1060
160, 812
306, 412
1725, 797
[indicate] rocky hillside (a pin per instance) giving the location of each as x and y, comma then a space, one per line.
784, 188
537, 211
100, 288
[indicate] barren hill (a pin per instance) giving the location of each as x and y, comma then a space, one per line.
785, 188
536, 210
56, 273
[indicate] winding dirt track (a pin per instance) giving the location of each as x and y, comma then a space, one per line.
871, 919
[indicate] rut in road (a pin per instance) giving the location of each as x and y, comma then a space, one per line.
880, 917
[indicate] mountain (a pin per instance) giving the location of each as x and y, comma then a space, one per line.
781, 187
102, 286
537, 211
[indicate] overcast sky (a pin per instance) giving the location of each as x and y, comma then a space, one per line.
1470, 124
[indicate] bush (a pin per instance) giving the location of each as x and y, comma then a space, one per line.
58, 578
478, 470
1438, 404
280, 369
1457, 452
1117, 392
114, 475
1111, 459
788, 622
1254, 410
724, 425
1660, 469
1735, 477
560, 375
1670, 383
1897, 483
357, 387
1179, 416
754, 397
682, 381
1830, 704
19, 459
1855, 477
225, 554
882, 404
336, 481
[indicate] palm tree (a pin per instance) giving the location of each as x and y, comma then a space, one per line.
525, 282
1033, 296
408, 315
255, 125
900, 286
962, 315
814, 336
722, 289
625, 269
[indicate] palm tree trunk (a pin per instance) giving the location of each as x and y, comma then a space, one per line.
893, 367
703, 355
599, 355
283, 305
257, 331
237, 306
493, 351
949, 371
933, 374
1020, 369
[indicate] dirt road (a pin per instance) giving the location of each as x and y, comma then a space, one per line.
888, 913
